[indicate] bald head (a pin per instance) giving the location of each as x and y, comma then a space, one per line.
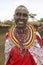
21, 16
22, 8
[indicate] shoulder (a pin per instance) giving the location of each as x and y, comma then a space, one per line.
8, 40
38, 37
7, 35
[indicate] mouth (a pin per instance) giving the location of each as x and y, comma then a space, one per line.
21, 22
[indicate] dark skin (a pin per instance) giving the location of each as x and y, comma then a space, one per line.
21, 18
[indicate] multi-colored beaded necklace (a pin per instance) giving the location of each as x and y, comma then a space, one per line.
26, 38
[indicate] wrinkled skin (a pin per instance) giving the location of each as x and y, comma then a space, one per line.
21, 17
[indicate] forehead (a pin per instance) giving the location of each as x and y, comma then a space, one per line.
21, 10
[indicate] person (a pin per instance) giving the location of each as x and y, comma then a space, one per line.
23, 45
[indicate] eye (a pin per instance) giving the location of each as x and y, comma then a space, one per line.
25, 15
18, 14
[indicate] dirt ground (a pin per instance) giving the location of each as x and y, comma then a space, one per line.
2, 43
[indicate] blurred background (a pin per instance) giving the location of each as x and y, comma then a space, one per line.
7, 9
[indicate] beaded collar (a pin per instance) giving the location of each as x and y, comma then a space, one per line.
29, 40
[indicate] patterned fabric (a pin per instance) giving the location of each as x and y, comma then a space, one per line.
8, 46
37, 53
18, 59
35, 50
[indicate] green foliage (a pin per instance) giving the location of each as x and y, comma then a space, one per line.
41, 20
32, 15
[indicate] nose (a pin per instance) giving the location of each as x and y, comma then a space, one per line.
21, 17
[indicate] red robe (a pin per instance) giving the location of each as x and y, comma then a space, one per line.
17, 58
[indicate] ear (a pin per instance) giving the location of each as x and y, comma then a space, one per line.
14, 16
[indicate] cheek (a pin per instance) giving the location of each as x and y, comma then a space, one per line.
26, 18
16, 17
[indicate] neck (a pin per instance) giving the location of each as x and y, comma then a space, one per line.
20, 30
